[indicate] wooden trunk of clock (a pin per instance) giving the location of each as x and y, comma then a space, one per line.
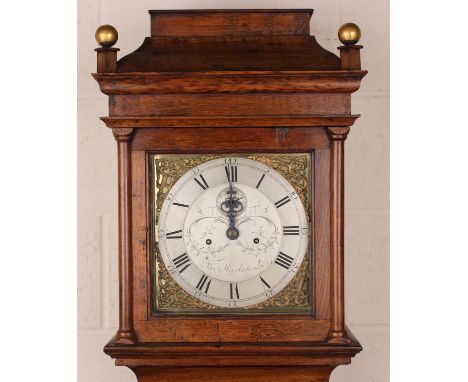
226, 83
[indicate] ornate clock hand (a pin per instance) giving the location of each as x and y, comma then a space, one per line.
233, 204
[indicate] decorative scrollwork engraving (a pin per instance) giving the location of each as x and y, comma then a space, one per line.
168, 296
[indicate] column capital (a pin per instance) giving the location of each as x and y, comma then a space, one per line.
337, 133
123, 134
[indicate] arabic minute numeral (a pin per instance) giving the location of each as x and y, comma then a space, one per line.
171, 269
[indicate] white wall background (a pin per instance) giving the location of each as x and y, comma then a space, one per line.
367, 180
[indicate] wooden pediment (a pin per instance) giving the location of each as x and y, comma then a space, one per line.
187, 41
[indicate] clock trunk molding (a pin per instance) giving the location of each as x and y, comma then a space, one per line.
231, 124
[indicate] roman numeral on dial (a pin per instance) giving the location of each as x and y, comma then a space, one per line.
234, 291
201, 182
182, 261
260, 181
174, 235
284, 260
264, 282
180, 204
203, 283
282, 202
231, 173
291, 230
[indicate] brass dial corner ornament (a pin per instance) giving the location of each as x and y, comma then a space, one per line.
231, 233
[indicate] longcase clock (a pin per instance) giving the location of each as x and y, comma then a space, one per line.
230, 128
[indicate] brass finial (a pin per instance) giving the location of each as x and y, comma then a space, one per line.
106, 36
349, 34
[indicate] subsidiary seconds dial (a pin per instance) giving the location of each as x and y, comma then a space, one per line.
232, 232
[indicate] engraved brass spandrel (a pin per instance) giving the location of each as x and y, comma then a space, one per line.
168, 296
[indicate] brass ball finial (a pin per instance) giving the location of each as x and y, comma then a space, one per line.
106, 36
349, 34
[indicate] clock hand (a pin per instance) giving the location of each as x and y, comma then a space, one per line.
233, 205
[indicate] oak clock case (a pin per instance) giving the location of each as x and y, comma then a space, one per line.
230, 128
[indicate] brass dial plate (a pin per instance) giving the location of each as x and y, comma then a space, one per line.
167, 295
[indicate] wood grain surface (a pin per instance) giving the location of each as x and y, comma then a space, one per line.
230, 22
217, 122
125, 333
242, 139
229, 104
238, 82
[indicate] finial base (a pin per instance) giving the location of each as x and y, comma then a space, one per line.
350, 57
106, 60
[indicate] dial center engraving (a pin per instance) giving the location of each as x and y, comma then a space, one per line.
233, 254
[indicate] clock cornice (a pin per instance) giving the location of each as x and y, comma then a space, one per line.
303, 121
239, 82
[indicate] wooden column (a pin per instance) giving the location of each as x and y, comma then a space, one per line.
125, 333
337, 333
